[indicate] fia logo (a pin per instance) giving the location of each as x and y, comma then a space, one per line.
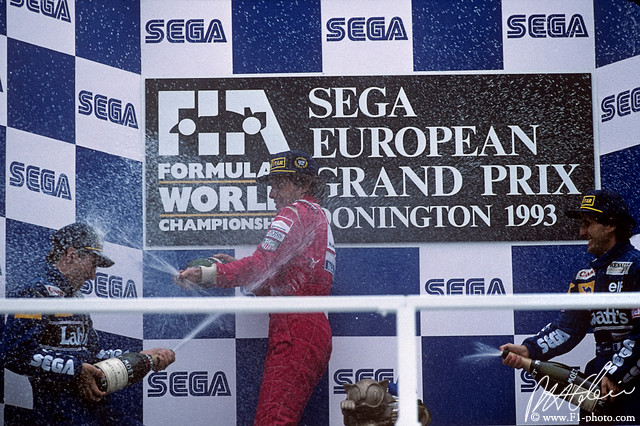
197, 118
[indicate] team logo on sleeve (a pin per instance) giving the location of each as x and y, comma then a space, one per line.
281, 224
586, 287
585, 274
53, 290
276, 234
618, 268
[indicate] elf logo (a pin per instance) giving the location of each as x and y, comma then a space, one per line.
347, 376
110, 287
37, 179
185, 383
184, 31
105, 108
208, 119
542, 26
438, 286
363, 29
54, 9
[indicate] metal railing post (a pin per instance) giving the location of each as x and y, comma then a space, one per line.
407, 365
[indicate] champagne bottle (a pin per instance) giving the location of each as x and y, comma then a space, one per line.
202, 261
124, 370
568, 383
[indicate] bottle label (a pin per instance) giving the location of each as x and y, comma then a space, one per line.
115, 372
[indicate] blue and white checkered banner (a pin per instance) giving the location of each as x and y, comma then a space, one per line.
459, 131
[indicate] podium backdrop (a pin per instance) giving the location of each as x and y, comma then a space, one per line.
452, 135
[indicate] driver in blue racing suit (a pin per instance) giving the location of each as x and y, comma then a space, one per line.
57, 351
607, 225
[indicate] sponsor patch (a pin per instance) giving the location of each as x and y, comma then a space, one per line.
301, 163
618, 268
29, 316
586, 287
585, 274
53, 290
269, 245
278, 163
276, 235
635, 313
282, 224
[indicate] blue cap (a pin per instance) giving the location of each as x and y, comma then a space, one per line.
81, 237
290, 163
605, 205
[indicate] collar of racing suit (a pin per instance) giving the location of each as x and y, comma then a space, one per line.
57, 278
611, 255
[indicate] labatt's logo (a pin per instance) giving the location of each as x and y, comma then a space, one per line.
609, 317
72, 336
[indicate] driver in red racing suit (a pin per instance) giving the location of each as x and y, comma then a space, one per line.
295, 258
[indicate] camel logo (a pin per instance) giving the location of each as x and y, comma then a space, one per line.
217, 122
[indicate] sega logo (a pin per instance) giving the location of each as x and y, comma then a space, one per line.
346, 376
542, 26
50, 8
438, 286
39, 180
362, 29
110, 287
181, 31
528, 383
624, 103
184, 383
106, 108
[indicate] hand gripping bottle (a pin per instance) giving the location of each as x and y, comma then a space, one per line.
568, 383
124, 370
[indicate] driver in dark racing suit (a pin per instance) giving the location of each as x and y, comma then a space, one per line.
295, 258
607, 225
57, 351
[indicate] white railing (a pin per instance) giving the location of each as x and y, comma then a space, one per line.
405, 307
